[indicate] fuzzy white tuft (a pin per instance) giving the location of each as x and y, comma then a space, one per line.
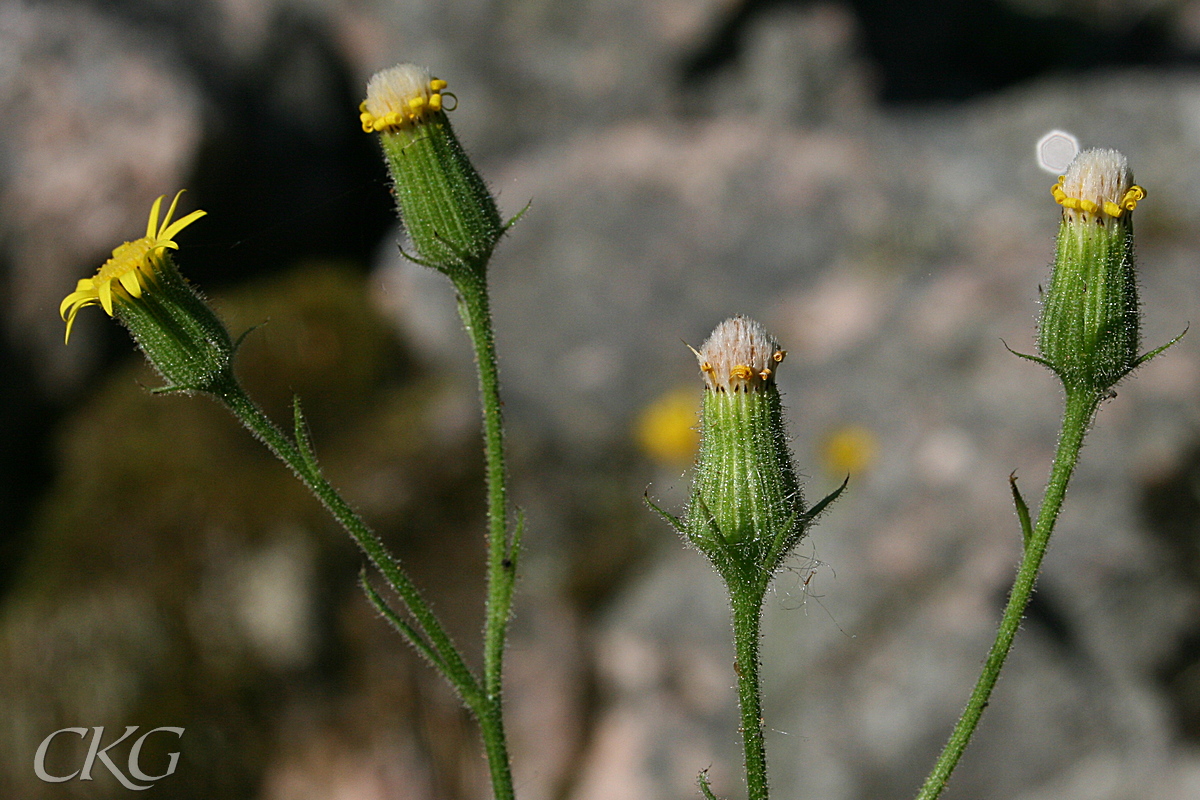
389, 90
1099, 176
739, 355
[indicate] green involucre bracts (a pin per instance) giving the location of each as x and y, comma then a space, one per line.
747, 510
446, 207
1090, 327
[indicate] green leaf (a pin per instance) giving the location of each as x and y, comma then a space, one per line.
1159, 350
702, 781
818, 509
1022, 510
303, 439
672, 520
403, 628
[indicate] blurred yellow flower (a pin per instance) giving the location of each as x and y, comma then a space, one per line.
849, 449
132, 265
666, 429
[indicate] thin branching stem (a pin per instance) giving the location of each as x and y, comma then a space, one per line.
448, 658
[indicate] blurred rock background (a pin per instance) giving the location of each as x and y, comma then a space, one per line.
857, 175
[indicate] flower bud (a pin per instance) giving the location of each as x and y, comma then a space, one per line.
447, 209
746, 510
1089, 330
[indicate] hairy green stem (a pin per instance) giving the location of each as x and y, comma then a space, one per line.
1080, 408
483, 699
474, 308
448, 658
747, 626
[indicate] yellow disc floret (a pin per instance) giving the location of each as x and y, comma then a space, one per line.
400, 96
131, 267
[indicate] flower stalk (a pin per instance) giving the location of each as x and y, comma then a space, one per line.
747, 511
453, 224
1088, 335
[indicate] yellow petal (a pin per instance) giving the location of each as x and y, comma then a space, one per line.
152, 226
179, 224
74, 298
68, 314
170, 213
105, 295
80, 299
130, 281
70, 322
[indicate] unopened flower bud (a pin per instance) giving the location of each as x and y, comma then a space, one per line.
1089, 332
747, 510
446, 207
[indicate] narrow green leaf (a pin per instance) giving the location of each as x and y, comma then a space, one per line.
303, 438
516, 217
403, 628
1028, 357
1159, 350
702, 781
824, 502
667, 517
1022, 510
514, 547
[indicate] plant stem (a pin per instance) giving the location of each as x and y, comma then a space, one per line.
474, 308
485, 700
1081, 405
747, 624
449, 660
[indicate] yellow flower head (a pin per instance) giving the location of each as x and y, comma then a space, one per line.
850, 449
131, 267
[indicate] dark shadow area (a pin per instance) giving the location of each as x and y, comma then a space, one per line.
282, 163
931, 51
24, 456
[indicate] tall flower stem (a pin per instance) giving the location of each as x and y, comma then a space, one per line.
475, 310
435, 644
453, 223
1081, 405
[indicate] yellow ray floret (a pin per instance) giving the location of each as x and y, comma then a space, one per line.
131, 267
399, 97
